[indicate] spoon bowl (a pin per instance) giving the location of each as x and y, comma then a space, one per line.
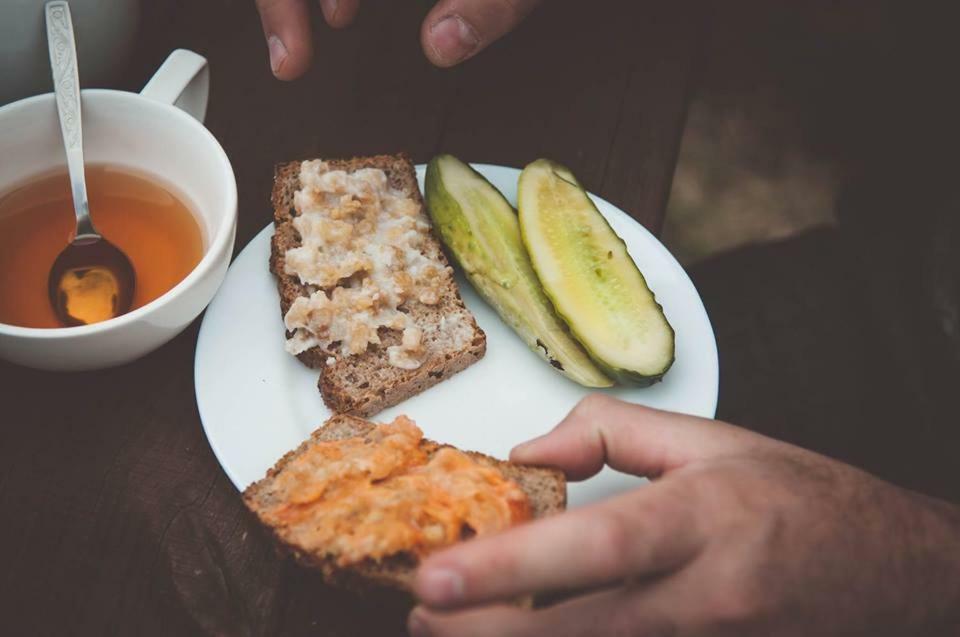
91, 280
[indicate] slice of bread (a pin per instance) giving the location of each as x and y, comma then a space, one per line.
545, 488
364, 384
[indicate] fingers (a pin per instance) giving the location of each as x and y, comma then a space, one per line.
622, 611
455, 30
630, 438
646, 532
339, 13
286, 25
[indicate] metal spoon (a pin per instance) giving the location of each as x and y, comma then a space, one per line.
91, 280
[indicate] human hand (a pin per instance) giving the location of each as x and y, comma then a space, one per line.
453, 31
738, 535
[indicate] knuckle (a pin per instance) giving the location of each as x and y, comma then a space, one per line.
500, 566
611, 540
734, 606
744, 586
737, 501
591, 405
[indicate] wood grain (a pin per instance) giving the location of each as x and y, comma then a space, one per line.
117, 517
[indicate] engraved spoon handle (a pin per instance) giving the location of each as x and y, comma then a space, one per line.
66, 86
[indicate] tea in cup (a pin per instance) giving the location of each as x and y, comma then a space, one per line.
147, 154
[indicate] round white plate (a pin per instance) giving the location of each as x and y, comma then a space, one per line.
257, 402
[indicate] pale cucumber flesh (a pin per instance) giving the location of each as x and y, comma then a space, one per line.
481, 231
590, 278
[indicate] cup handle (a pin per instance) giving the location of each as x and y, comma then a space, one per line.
182, 80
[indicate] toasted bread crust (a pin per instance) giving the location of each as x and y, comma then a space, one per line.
546, 489
366, 384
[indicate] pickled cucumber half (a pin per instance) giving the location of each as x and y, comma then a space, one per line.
590, 278
480, 229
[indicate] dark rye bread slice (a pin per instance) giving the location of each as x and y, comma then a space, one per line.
546, 488
365, 384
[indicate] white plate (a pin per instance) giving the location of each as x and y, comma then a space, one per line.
257, 402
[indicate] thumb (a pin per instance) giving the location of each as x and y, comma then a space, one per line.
455, 30
631, 438
286, 26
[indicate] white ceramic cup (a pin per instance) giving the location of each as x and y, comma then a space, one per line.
157, 132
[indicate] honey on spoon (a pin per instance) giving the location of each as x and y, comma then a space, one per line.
91, 280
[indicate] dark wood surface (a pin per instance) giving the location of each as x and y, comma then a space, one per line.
117, 518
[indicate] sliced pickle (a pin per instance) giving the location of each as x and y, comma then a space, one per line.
586, 271
480, 229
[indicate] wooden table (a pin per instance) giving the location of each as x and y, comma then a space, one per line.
117, 518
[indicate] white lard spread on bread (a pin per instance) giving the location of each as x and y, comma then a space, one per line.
362, 257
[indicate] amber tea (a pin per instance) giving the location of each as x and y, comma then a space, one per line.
151, 223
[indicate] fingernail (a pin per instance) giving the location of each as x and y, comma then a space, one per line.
453, 39
278, 53
441, 586
417, 625
330, 9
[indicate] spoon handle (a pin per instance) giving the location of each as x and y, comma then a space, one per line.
66, 85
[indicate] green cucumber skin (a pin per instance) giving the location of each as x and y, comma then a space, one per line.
620, 375
458, 237
627, 377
